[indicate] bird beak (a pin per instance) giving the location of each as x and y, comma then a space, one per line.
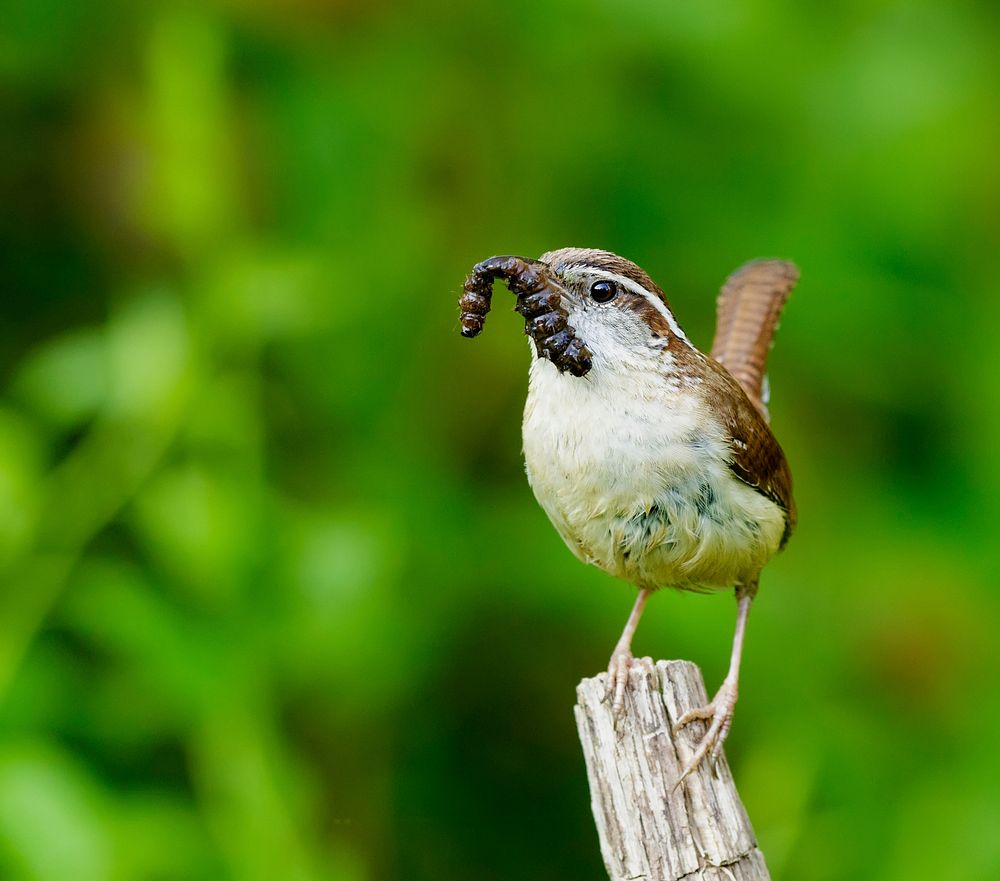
539, 300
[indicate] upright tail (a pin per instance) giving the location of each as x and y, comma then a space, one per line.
749, 307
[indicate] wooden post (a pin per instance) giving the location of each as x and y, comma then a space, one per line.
650, 830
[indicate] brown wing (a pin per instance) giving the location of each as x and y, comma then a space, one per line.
748, 310
758, 459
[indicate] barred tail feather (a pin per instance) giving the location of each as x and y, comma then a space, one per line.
749, 306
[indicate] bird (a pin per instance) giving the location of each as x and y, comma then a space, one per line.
654, 461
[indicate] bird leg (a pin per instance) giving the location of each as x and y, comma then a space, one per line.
621, 657
720, 709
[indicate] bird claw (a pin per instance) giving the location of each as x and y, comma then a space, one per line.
720, 712
618, 667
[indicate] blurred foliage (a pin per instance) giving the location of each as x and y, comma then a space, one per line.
276, 599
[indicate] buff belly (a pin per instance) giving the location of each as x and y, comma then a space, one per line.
643, 492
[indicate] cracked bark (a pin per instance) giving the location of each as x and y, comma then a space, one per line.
650, 831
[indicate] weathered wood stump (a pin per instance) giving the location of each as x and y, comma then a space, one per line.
650, 829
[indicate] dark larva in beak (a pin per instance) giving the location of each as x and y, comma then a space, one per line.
538, 300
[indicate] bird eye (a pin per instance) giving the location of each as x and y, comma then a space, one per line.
603, 291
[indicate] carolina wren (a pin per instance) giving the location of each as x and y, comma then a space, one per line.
654, 461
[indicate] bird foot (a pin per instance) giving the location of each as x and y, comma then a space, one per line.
720, 712
618, 667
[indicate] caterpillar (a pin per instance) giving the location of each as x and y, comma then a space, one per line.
539, 301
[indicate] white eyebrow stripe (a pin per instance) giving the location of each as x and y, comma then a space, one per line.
637, 288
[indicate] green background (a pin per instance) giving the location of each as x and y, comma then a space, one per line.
276, 601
